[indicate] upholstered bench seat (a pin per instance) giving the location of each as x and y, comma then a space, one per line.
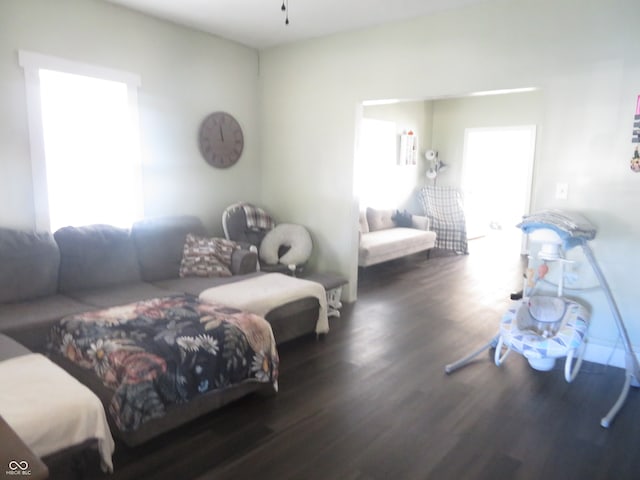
385, 235
382, 245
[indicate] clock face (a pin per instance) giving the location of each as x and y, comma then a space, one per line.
221, 139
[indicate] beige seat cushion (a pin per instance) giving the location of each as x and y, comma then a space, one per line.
383, 245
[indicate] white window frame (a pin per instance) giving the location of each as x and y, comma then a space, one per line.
32, 63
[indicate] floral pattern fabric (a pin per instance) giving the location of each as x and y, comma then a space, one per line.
165, 351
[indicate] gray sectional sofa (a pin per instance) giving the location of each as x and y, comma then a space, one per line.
45, 277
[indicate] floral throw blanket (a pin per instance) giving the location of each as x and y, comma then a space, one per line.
165, 351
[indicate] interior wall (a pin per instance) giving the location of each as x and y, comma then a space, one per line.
581, 54
185, 76
452, 116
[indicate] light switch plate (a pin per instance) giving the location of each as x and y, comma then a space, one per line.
562, 191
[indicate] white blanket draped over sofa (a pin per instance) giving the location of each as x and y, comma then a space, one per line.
49, 409
263, 293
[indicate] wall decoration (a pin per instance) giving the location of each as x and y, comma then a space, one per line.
220, 139
408, 149
635, 161
635, 138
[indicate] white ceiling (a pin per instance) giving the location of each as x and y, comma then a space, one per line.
261, 23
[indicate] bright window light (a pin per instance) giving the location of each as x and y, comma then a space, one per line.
90, 151
380, 182
84, 134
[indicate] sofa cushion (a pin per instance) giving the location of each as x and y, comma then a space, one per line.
207, 256
244, 261
159, 244
95, 256
111, 296
403, 219
30, 322
363, 226
9, 348
29, 265
379, 219
383, 245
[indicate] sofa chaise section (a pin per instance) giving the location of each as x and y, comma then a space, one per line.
47, 277
159, 243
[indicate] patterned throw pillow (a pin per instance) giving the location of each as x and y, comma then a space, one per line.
402, 219
379, 219
206, 257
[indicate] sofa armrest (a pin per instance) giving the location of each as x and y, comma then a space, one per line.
243, 261
420, 222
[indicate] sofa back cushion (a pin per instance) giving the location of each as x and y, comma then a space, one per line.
379, 219
160, 242
29, 264
363, 226
95, 256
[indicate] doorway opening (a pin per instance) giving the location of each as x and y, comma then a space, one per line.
497, 173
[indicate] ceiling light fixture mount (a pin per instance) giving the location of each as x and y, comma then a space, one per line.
285, 9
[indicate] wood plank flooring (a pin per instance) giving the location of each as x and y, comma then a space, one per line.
371, 401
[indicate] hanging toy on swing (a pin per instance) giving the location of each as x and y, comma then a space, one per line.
534, 276
635, 161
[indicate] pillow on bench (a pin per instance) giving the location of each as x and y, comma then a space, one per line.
403, 219
379, 219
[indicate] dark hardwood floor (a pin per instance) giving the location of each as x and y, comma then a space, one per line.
371, 400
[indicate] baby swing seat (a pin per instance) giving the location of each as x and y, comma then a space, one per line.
542, 340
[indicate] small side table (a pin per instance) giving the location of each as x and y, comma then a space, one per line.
332, 283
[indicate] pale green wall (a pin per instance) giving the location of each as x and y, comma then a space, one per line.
185, 75
452, 116
583, 54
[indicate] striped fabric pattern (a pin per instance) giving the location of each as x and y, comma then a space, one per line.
442, 205
257, 218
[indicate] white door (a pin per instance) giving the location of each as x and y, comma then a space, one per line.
497, 173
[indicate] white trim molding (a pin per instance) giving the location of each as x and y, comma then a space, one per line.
32, 63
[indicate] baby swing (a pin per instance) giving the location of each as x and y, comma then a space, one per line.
545, 328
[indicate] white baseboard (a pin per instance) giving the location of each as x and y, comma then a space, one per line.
605, 354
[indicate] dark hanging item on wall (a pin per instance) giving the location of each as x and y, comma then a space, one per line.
635, 161
635, 138
285, 9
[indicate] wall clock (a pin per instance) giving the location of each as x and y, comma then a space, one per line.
220, 139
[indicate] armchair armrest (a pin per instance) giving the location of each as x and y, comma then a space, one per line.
420, 222
243, 261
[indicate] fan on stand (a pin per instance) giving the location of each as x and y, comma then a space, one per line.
434, 165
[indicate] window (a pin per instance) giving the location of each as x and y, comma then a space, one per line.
379, 181
84, 133
497, 172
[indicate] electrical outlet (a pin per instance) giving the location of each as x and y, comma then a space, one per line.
562, 191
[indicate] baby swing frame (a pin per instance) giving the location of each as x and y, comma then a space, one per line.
574, 230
